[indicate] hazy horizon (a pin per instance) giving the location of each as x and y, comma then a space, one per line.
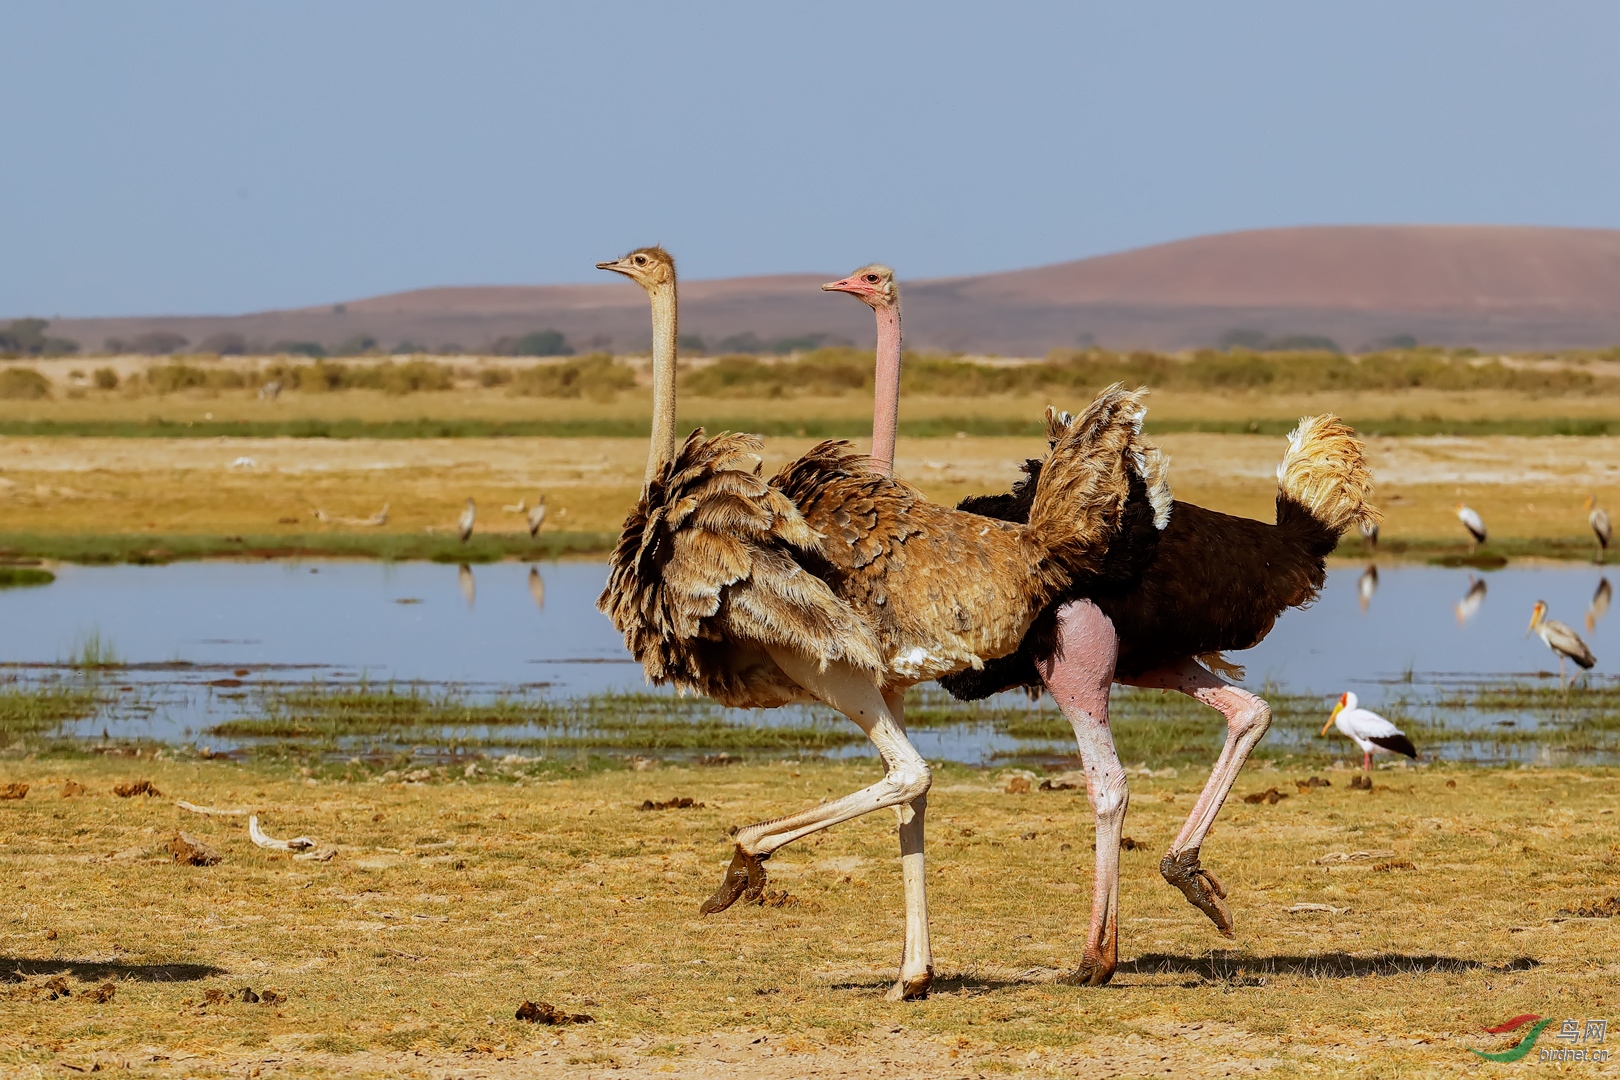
187, 158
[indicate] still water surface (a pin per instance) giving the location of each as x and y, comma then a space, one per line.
507, 627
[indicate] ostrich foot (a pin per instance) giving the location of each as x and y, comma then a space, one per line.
1096, 968
914, 988
1201, 888
745, 878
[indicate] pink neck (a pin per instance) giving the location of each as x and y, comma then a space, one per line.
886, 392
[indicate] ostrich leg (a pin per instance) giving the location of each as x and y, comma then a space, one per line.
1247, 718
906, 780
1079, 676
917, 955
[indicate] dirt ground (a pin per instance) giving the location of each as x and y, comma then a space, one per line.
1524, 487
1378, 933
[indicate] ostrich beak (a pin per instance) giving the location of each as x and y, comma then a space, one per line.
616, 265
846, 285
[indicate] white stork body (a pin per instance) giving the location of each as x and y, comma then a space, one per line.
464, 525
1598, 518
1473, 523
537, 514
1560, 639
1369, 534
1368, 730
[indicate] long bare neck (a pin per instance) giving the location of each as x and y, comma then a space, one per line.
886, 391
662, 450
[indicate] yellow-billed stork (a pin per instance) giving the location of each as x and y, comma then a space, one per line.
1599, 605
1598, 518
1468, 606
1560, 639
1366, 585
537, 514
464, 525
1368, 730
1473, 523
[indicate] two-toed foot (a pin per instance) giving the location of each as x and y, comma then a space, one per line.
745, 879
911, 987
1201, 888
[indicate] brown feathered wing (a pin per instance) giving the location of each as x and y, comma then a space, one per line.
712, 566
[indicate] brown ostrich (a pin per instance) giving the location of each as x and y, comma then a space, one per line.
1207, 583
834, 582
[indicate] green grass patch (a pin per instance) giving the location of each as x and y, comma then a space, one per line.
31, 709
14, 577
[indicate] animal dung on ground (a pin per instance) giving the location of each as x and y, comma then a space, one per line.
1127, 843
1058, 785
297, 843
1602, 909
1270, 796
72, 788
1307, 786
56, 987
103, 993
13, 791
136, 787
1451, 783
683, 802
544, 1012
1393, 864
1018, 785
190, 851
1361, 783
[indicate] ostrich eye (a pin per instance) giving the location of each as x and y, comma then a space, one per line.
872, 278
641, 260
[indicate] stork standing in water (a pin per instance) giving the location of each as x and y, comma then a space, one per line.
1181, 584
1560, 639
1368, 730
834, 582
1598, 518
1473, 523
537, 514
464, 524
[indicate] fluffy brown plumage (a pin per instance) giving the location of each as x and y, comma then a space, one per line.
713, 565
1214, 582
945, 589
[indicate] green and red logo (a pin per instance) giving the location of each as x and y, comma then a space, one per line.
1524, 1045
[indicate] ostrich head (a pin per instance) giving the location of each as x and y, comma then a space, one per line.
648, 267
872, 285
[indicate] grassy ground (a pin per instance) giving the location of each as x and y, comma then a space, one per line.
90, 498
447, 904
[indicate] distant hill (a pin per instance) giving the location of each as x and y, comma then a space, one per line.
1493, 287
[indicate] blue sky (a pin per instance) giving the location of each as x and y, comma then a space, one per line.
222, 157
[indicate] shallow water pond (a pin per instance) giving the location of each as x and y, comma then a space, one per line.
201, 652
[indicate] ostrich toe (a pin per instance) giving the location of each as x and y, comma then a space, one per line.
1201, 888
745, 878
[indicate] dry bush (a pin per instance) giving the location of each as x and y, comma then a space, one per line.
23, 384
597, 376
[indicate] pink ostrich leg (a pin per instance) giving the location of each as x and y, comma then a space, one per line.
1247, 718
1079, 676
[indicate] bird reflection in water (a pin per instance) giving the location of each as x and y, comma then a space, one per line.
1468, 606
537, 587
1366, 585
469, 587
1599, 605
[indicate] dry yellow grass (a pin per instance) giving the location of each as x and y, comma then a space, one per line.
447, 905
1524, 487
